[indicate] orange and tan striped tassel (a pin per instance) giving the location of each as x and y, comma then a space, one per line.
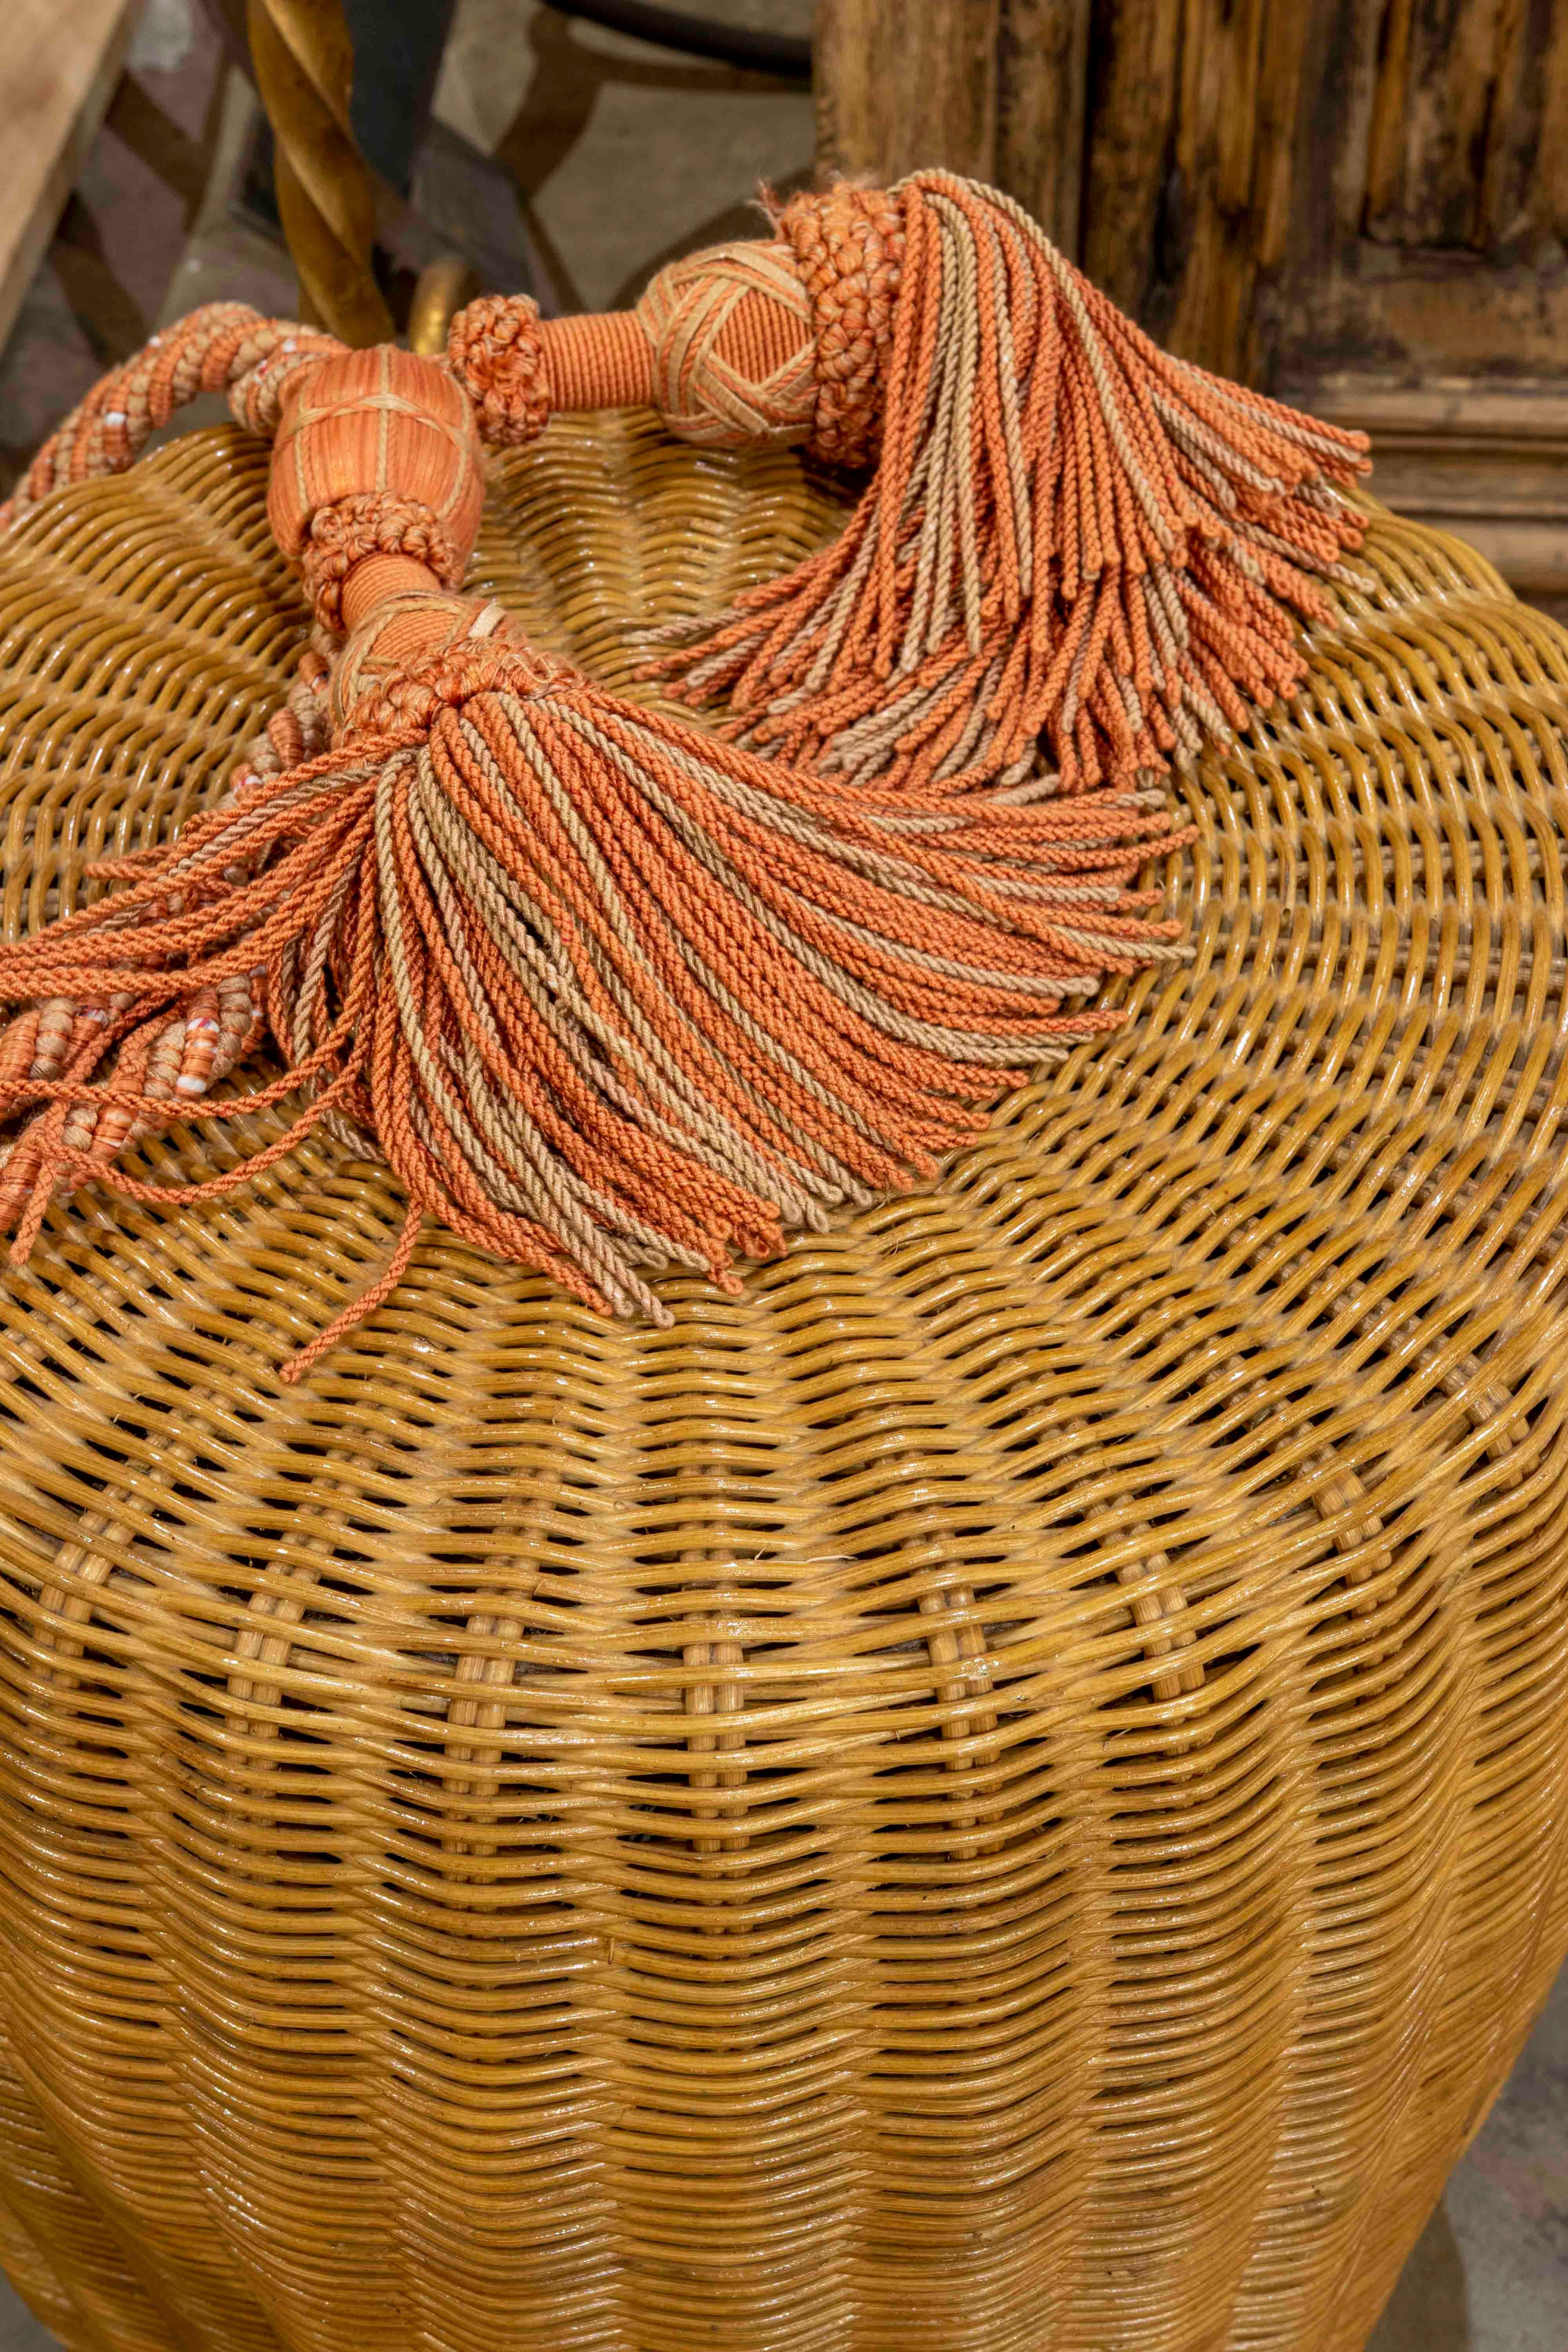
608, 992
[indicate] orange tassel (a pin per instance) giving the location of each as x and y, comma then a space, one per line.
1076, 553
608, 992
1076, 549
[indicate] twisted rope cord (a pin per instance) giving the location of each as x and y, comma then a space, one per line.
303, 59
64, 1038
228, 347
1073, 543
225, 347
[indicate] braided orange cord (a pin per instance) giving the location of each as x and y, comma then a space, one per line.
97, 1086
225, 347
200, 1043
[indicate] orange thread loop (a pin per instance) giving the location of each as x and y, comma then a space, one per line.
372, 522
495, 351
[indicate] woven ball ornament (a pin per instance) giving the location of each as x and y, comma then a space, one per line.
730, 337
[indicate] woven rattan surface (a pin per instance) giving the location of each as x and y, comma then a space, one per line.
1005, 1792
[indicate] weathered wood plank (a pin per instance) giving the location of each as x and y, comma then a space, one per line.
1042, 80
990, 87
1234, 147
904, 83
59, 60
1133, 221
1351, 300
1269, 188
1192, 114
1545, 192
1457, 126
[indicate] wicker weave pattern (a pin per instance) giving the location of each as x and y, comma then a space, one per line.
1006, 1794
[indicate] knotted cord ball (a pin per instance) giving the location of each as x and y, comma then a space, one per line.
372, 522
495, 349
730, 333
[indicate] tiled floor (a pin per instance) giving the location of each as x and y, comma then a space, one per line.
625, 155
1509, 2203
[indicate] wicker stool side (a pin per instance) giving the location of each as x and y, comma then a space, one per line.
1006, 1791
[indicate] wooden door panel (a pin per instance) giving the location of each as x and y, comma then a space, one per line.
1466, 90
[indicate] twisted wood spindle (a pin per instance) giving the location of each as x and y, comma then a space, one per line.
326, 195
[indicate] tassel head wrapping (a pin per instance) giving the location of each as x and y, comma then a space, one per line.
376, 453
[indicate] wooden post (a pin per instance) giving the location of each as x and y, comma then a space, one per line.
58, 66
1151, 138
990, 87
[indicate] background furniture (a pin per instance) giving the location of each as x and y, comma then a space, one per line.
58, 71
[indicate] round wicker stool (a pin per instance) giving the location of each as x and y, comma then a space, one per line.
1005, 1792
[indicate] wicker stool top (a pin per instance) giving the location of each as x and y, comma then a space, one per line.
1170, 1482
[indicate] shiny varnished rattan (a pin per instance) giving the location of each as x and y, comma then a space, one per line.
1005, 1792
